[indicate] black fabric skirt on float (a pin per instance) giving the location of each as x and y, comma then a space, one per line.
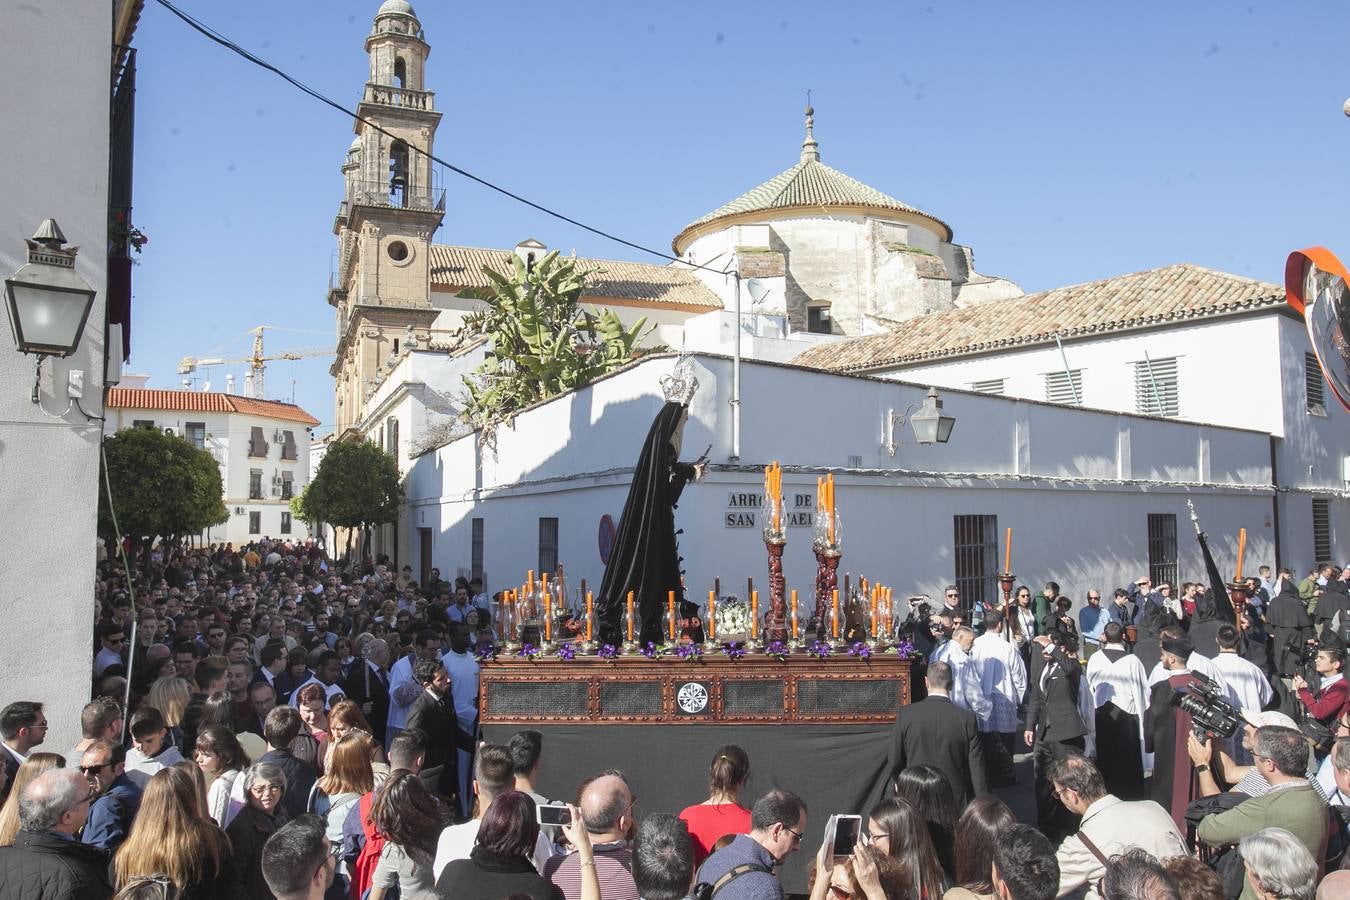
1119, 756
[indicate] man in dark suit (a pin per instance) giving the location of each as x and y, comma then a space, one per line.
23, 725
1054, 726
937, 732
434, 713
367, 685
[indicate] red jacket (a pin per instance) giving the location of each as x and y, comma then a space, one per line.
1331, 705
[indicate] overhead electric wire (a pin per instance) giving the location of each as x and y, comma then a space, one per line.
225, 42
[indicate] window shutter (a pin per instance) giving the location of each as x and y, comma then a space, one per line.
1312, 380
1065, 387
992, 386
1155, 387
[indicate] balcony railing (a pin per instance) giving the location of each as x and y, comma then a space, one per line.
404, 98
380, 193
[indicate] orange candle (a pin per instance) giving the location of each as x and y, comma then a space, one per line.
794, 614
548, 617
590, 615
670, 602
874, 611
1007, 551
1242, 549
712, 615
829, 508
754, 615
834, 614
630, 617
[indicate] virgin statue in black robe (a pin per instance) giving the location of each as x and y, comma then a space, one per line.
645, 558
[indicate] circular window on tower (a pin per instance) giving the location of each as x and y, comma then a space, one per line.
398, 251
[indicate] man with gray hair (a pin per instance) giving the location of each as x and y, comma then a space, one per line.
1136, 875
663, 858
46, 862
1281, 755
1278, 865
607, 806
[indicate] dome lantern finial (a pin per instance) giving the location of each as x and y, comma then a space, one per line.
810, 150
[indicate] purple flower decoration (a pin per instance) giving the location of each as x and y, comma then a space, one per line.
651, 651
567, 652
904, 649
689, 652
609, 651
485, 652
530, 652
734, 650
777, 649
819, 649
860, 650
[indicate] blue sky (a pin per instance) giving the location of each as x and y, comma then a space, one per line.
1064, 142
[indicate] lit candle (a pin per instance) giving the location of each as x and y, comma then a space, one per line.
712, 615
754, 615
548, 616
590, 615
834, 614
630, 617
829, 508
1007, 551
794, 614
670, 602
777, 497
875, 597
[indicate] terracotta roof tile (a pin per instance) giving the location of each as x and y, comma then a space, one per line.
810, 184
1159, 296
201, 401
462, 267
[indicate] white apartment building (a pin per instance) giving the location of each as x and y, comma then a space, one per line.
262, 447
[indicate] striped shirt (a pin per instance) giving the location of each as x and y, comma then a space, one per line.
613, 869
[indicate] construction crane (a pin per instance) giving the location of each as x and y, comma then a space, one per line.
257, 360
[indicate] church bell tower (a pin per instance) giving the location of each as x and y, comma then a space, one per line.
391, 209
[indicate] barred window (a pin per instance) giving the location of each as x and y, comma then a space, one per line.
1162, 549
548, 545
975, 553
476, 552
1314, 385
1321, 522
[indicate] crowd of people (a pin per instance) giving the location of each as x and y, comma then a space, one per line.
268, 724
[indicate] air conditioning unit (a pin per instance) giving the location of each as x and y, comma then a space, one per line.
278, 437
171, 432
276, 481
276, 491
238, 510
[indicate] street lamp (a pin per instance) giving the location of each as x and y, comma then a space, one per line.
47, 300
929, 424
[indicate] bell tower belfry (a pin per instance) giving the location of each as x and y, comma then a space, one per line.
384, 226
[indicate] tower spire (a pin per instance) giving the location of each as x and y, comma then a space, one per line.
810, 150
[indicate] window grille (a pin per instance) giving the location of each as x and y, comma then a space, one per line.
976, 557
476, 554
196, 434
255, 484
255, 523
1162, 549
1314, 386
548, 545
285, 523
1321, 516
991, 386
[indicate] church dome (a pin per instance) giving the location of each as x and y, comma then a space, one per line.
809, 185
400, 7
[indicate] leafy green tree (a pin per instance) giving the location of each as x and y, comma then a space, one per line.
162, 487
541, 341
300, 510
357, 487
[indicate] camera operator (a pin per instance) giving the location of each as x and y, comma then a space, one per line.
1334, 697
1243, 780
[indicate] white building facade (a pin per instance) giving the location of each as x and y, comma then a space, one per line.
49, 449
261, 446
1095, 511
1180, 342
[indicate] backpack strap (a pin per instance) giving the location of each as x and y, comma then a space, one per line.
737, 872
1087, 842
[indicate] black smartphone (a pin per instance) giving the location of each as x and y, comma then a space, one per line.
847, 828
554, 814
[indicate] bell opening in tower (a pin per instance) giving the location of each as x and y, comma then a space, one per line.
398, 174
400, 72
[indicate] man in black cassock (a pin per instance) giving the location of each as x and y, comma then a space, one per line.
645, 558
1291, 628
1166, 726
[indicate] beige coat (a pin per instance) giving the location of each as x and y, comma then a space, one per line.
1115, 826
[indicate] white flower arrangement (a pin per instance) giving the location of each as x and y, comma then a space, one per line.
733, 619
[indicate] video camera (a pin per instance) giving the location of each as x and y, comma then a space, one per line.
1211, 713
1307, 663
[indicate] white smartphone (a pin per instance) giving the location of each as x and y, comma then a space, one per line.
554, 814
842, 831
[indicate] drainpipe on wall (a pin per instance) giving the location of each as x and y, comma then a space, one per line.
1275, 500
1064, 358
736, 373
